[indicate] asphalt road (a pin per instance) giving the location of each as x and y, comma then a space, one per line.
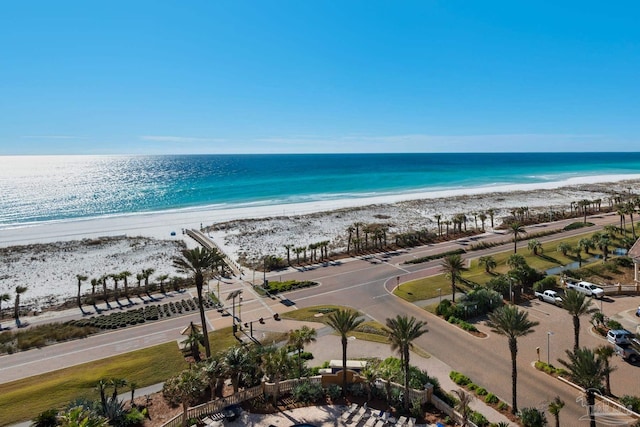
366, 284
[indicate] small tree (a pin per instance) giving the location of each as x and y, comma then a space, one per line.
464, 400
453, 266
555, 406
533, 417
185, 389
16, 308
489, 263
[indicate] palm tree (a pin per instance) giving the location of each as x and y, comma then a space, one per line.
555, 406
288, 247
185, 388
344, 321
438, 218
235, 362
16, 307
483, 219
603, 244
401, 332
606, 352
587, 371
516, 229
298, 339
193, 341
161, 279
491, 213
585, 244
512, 323
453, 266
535, 246
276, 365
81, 278
578, 253
125, 278
489, 263
146, 274
464, 400
3, 298
196, 261
630, 207
103, 280
563, 248
577, 304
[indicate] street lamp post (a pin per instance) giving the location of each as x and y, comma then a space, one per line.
549, 333
440, 295
232, 296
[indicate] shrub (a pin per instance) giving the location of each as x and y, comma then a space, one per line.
613, 324
478, 419
334, 391
459, 379
577, 225
472, 386
435, 256
307, 392
532, 417
503, 406
491, 398
48, 418
481, 391
632, 402
548, 282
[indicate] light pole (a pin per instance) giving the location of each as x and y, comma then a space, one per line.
232, 296
440, 295
510, 290
549, 333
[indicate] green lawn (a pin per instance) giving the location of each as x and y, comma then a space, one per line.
429, 287
309, 314
24, 399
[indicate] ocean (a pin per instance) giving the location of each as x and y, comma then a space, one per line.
36, 189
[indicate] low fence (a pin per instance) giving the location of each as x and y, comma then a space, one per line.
620, 289
455, 415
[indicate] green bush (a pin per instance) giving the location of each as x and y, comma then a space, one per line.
459, 378
334, 391
481, 391
472, 386
548, 282
533, 417
632, 402
491, 398
307, 392
478, 419
503, 406
435, 256
577, 225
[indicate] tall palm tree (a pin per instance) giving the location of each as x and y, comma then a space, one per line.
606, 352
344, 321
81, 278
146, 274
483, 219
162, 279
512, 323
288, 248
577, 304
16, 307
517, 230
125, 279
298, 339
195, 262
586, 370
555, 406
491, 212
453, 266
401, 332
603, 244
3, 298
438, 218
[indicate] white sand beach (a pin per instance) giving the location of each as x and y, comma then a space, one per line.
49, 270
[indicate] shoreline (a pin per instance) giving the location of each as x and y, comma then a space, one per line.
60, 251
160, 224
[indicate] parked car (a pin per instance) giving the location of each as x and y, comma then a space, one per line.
620, 336
586, 288
629, 351
549, 296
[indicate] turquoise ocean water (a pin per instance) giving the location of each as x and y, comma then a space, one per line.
35, 189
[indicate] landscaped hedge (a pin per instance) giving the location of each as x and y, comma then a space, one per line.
577, 225
435, 256
122, 319
275, 287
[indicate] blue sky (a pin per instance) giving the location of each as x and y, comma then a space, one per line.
147, 77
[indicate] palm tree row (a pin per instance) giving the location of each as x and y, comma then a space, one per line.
117, 278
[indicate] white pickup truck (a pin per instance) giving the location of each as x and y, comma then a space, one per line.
549, 296
585, 287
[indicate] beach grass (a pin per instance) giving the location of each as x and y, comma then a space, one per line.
25, 398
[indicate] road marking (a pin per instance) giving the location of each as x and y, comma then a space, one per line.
380, 296
339, 290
